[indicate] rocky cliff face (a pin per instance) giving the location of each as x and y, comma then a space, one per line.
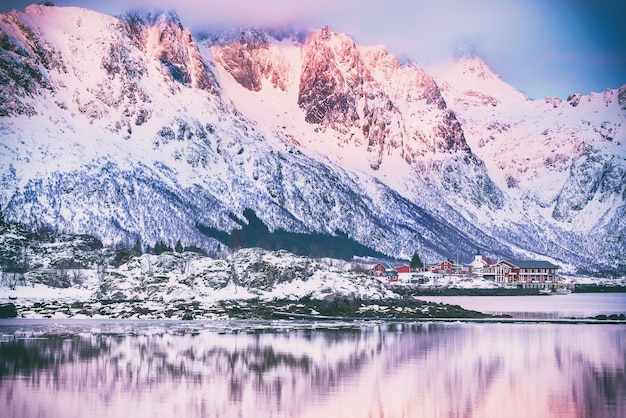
343, 86
25, 60
368, 100
130, 128
250, 59
163, 37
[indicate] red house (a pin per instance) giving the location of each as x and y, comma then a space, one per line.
445, 267
385, 270
403, 269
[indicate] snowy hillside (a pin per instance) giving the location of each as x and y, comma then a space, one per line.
75, 276
131, 129
563, 162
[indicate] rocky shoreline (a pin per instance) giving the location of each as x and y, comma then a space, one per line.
406, 308
315, 310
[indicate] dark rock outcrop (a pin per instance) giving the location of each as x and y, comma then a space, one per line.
8, 310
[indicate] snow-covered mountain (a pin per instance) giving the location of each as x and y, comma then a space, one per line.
130, 127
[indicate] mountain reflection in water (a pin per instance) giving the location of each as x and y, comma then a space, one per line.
299, 369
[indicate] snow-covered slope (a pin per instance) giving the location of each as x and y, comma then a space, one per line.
426, 138
130, 128
563, 162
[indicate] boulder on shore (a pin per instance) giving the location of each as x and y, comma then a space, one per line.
8, 310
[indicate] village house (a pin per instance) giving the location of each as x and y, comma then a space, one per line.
404, 268
527, 273
385, 270
448, 267
444, 267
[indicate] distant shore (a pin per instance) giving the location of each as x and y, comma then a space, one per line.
501, 291
595, 288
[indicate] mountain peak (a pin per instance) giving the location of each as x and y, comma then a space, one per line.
469, 73
151, 18
230, 35
465, 51
326, 32
165, 38
474, 66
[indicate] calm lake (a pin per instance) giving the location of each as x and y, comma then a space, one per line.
89, 368
574, 305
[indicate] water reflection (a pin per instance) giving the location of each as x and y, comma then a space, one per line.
280, 369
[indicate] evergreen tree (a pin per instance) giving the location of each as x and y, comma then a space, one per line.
416, 262
137, 247
179, 247
161, 247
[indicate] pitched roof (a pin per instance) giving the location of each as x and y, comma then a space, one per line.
532, 264
386, 265
484, 261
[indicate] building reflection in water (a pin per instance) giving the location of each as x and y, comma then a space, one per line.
280, 369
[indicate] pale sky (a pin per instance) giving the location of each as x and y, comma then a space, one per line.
541, 47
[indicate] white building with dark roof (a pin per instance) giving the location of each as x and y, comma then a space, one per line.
479, 264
